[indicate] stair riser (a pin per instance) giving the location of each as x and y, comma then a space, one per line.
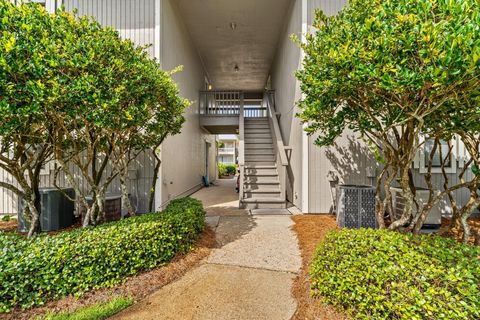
249, 130
260, 163
257, 128
252, 206
261, 189
254, 177
257, 159
259, 140
250, 195
258, 146
261, 172
264, 152
258, 136
262, 181
250, 120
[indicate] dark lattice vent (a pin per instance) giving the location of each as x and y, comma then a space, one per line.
356, 206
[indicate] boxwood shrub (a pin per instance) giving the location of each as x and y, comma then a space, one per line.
33, 271
379, 274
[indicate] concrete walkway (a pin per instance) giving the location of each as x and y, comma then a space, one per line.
249, 275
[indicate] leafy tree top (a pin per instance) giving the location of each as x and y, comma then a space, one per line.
380, 64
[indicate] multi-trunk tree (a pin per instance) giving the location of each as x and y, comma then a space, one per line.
386, 70
74, 94
29, 84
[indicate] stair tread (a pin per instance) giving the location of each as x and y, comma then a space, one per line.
269, 200
277, 190
260, 167
261, 183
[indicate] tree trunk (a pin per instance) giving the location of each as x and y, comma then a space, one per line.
409, 200
125, 199
90, 209
33, 214
153, 186
380, 206
100, 214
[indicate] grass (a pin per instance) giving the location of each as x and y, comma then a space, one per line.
98, 311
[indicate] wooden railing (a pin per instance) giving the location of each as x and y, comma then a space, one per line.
279, 147
228, 104
254, 112
220, 103
241, 152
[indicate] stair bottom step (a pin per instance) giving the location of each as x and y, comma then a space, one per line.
263, 203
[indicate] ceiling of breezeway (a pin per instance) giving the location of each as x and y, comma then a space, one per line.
236, 39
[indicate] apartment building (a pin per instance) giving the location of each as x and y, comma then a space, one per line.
239, 63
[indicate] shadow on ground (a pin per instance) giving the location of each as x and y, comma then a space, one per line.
223, 214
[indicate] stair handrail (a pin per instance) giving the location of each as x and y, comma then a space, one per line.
241, 147
282, 160
278, 141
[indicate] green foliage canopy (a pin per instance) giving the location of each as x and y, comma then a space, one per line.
380, 64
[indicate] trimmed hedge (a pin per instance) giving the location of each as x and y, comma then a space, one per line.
33, 271
379, 274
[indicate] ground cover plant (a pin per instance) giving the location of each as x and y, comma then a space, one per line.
35, 270
379, 274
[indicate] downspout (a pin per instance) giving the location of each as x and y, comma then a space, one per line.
305, 140
157, 52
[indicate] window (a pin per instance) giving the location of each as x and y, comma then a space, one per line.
442, 150
450, 165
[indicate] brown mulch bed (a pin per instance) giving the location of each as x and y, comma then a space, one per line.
310, 230
8, 226
458, 234
137, 287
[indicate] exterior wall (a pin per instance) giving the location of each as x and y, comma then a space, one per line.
183, 155
134, 19
348, 158
287, 92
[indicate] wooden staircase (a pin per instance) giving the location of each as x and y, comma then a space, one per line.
263, 162
261, 186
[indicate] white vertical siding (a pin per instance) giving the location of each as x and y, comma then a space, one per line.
183, 155
134, 19
348, 159
329, 7
287, 92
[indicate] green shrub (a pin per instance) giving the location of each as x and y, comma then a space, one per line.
222, 169
379, 274
231, 168
6, 218
44, 267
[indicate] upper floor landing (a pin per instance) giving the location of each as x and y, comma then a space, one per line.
220, 110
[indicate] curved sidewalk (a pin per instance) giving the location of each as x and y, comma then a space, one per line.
248, 276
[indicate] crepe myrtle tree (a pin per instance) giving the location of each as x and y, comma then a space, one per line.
158, 113
461, 122
117, 102
381, 68
166, 120
30, 83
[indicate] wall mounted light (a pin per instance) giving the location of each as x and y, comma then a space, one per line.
210, 87
233, 25
236, 68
